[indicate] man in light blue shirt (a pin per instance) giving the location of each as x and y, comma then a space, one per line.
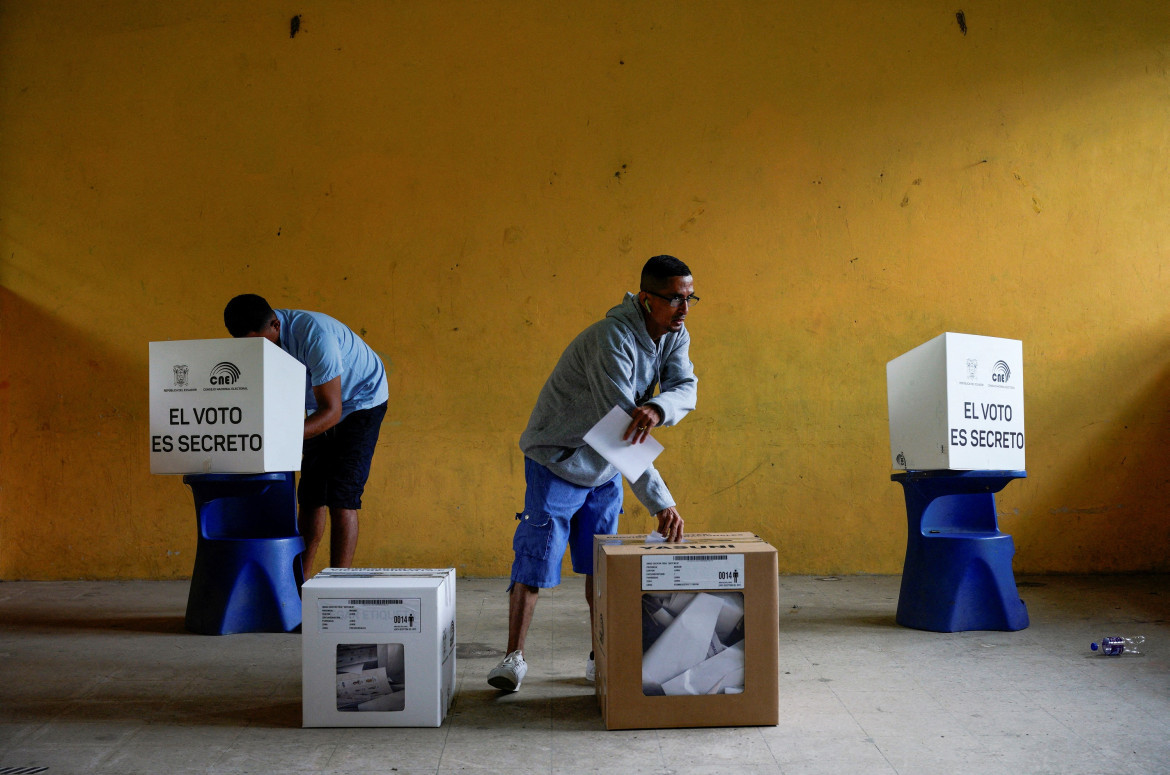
345, 398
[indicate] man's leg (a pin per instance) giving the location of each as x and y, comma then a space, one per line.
542, 534
341, 460
521, 605
343, 536
312, 525
598, 515
590, 665
509, 674
589, 596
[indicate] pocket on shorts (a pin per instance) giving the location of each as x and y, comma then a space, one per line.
534, 535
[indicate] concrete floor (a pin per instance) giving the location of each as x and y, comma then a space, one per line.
100, 677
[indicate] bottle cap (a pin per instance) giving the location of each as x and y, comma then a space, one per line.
1093, 646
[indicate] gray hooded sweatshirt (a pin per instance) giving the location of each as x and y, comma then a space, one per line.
613, 362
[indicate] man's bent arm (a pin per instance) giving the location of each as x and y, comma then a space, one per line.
328, 412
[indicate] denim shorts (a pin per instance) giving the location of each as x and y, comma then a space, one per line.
559, 514
335, 464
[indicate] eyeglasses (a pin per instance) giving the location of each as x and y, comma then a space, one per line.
675, 301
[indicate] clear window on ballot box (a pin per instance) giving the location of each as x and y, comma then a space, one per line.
371, 676
692, 643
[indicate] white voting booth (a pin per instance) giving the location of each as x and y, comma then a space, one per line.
225, 406
957, 402
957, 435
229, 414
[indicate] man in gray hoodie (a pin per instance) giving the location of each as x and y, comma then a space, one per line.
572, 492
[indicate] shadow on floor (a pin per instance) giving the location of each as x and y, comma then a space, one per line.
159, 625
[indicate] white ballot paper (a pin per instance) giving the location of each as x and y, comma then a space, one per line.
631, 459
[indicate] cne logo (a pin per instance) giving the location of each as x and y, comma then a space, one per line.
1000, 372
225, 373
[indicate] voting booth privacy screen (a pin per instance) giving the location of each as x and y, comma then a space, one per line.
225, 406
957, 403
378, 647
686, 634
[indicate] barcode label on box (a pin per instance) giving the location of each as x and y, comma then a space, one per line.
692, 571
370, 615
376, 602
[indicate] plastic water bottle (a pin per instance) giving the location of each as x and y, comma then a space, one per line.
1116, 645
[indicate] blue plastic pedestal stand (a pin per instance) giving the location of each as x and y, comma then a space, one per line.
958, 571
247, 575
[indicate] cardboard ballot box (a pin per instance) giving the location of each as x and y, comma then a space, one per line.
957, 403
686, 634
225, 406
378, 647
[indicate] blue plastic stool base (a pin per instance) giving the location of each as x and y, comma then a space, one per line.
247, 575
958, 570
246, 586
958, 583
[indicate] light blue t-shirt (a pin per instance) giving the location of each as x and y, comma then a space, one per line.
328, 349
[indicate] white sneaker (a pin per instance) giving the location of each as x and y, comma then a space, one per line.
590, 669
509, 673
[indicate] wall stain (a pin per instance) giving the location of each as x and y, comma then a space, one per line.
294, 26
735, 483
961, 18
1086, 510
906, 196
689, 222
1036, 206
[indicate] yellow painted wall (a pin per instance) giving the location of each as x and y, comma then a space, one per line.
470, 183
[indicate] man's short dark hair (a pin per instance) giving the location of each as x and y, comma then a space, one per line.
659, 269
246, 314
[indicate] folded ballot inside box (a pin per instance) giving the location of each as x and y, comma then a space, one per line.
692, 643
378, 647
686, 634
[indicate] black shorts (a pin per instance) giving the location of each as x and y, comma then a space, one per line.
335, 464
